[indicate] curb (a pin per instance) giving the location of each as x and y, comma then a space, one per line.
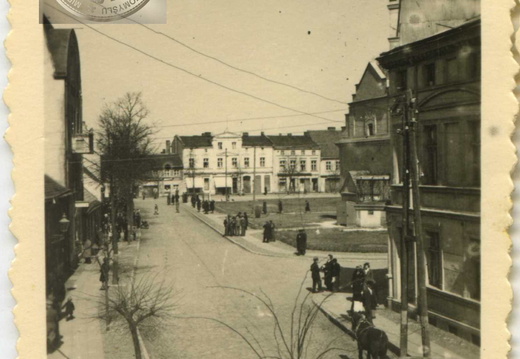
210, 225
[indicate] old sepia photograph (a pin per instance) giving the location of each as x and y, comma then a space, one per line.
271, 179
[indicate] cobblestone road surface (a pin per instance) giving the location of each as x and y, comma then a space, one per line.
195, 258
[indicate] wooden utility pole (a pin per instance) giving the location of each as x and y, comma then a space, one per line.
254, 178
115, 234
421, 263
405, 235
225, 178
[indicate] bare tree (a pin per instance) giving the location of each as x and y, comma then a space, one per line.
125, 141
146, 301
291, 341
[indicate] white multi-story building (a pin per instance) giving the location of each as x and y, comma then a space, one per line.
228, 162
296, 163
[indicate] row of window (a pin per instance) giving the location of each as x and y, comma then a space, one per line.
293, 152
303, 165
220, 162
442, 72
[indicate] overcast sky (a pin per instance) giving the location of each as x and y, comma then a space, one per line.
319, 46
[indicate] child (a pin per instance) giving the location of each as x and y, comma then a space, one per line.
69, 309
156, 210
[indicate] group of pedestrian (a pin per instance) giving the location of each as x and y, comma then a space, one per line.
235, 225
173, 198
363, 290
208, 206
269, 232
331, 271
301, 242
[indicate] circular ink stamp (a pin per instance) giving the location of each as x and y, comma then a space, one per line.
102, 10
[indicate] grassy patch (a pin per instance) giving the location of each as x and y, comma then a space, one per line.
335, 240
293, 216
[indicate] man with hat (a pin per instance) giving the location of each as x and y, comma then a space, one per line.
315, 273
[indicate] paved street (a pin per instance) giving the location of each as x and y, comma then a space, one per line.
194, 257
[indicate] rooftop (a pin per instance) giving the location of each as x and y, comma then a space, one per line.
290, 141
327, 140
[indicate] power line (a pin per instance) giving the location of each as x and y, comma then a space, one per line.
252, 118
189, 72
235, 67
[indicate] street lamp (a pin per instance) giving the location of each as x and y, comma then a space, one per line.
64, 223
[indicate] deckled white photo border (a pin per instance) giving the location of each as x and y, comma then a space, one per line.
24, 97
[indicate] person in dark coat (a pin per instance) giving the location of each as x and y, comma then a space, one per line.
367, 299
156, 210
358, 281
264, 207
369, 277
280, 206
307, 206
193, 201
199, 204
301, 242
246, 221
336, 269
205, 207
272, 237
212, 206
104, 273
242, 226
176, 197
69, 309
327, 271
315, 274
267, 232
226, 226
238, 224
177, 205
168, 199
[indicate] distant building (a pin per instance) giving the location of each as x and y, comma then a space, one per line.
226, 163
442, 72
365, 153
330, 179
166, 176
296, 163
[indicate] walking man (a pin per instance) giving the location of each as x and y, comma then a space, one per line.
336, 269
307, 206
267, 230
280, 206
212, 206
368, 305
177, 205
327, 271
272, 236
315, 273
301, 242
104, 272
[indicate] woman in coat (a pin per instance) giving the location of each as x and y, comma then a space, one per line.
87, 251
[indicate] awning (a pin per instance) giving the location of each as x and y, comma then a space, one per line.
220, 182
55, 190
199, 182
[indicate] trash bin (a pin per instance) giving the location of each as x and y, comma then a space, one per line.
258, 211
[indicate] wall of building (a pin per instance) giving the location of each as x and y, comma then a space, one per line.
54, 126
309, 175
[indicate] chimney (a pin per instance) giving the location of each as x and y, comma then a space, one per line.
245, 134
262, 133
168, 146
307, 134
331, 128
207, 134
343, 128
289, 134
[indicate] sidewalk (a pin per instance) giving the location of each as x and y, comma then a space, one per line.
443, 344
82, 337
278, 248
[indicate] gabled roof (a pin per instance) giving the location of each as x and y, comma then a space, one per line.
54, 190
162, 159
289, 141
196, 141
256, 141
327, 139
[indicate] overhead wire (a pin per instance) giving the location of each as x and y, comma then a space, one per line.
189, 72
